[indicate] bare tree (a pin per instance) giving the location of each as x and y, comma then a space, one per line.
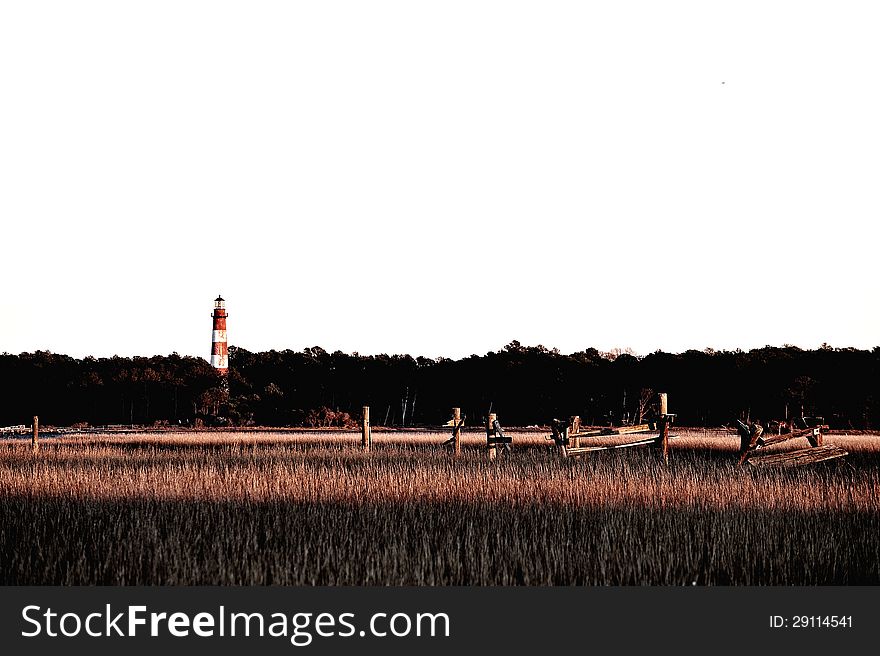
645, 398
403, 403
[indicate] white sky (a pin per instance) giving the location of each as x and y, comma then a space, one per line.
438, 178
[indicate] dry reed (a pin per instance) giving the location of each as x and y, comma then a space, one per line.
310, 508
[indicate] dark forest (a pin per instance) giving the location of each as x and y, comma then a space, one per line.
524, 385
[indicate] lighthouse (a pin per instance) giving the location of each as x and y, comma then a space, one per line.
219, 352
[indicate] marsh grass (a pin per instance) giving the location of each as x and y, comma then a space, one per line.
310, 508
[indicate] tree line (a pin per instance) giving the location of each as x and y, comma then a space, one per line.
525, 385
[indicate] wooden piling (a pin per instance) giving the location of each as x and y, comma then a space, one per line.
456, 430
663, 440
560, 436
35, 443
490, 432
663, 425
575, 429
366, 436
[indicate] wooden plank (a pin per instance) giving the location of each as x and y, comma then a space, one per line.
606, 447
621, 430
798, 457
626, 430
766, 440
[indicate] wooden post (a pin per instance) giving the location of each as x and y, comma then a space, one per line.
663, 425
575, 429
36, 439
490, 432
745, 438
366, 436
560, 436
456, 430
664, 440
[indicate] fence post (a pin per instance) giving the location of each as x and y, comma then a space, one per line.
490, 432
35, 443
366, 436
456, 430
575, 429
663, 437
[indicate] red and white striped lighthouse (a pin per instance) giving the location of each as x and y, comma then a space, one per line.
219, 351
